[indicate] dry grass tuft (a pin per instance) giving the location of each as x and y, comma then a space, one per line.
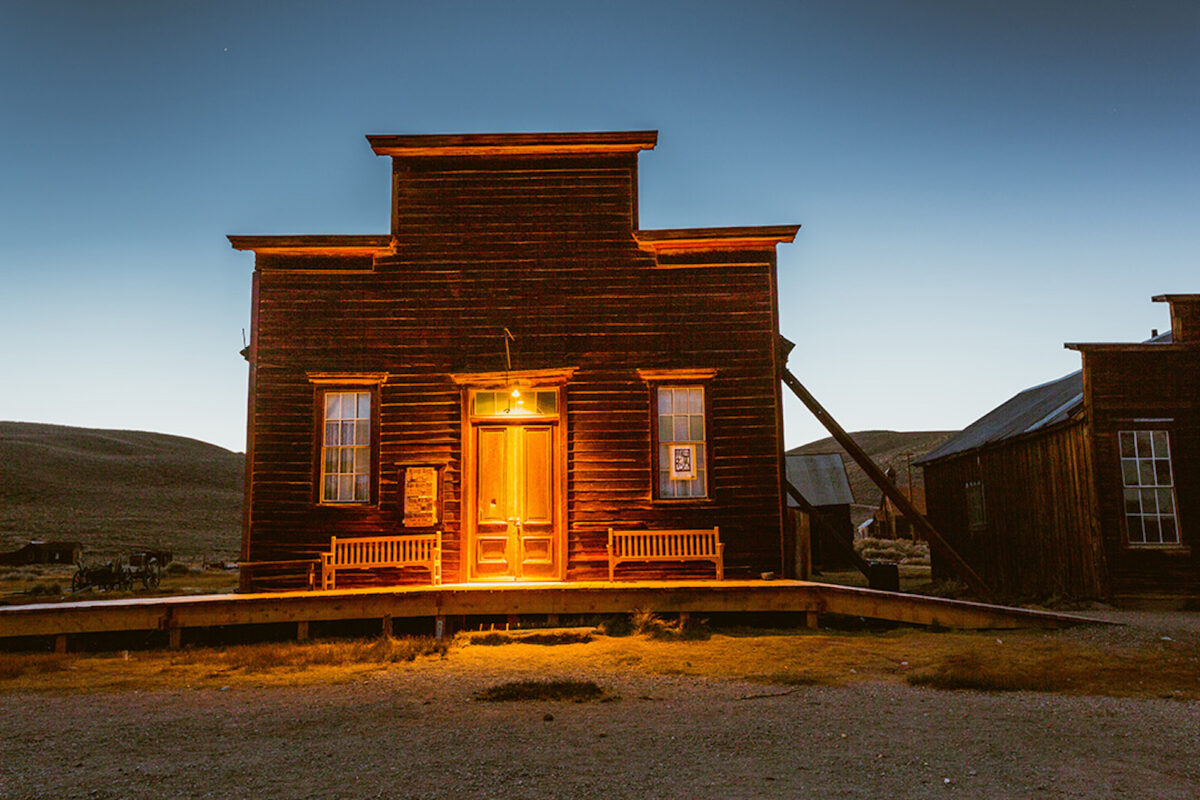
496, 638
969, 670
268, 656
571, 691
14, 665
647, 623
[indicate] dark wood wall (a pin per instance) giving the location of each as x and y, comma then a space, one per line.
1147, 387
543, 246
1039, 538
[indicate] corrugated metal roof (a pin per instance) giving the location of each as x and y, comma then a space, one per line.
1038, 407
820, 478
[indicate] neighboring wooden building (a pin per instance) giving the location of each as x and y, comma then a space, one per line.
1088, 486
383, 400
44, 553
821, 480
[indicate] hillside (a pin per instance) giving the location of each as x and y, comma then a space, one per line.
117, 490
887, 449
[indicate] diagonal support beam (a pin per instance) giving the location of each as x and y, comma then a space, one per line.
859, 562
935, 539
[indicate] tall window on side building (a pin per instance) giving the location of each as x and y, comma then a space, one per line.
1149, 484
976, 506
346, 448
682, 457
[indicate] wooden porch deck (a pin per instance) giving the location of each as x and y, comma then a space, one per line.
177, 614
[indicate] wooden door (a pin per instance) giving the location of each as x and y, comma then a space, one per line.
514, 501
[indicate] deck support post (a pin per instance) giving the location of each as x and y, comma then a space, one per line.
386, 626
175, 637
439, 627
302, 631
810, 619
684, 618
552, 620
60, 643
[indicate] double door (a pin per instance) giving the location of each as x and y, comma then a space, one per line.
515, 515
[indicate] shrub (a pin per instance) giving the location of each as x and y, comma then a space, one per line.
177, 568
574, 691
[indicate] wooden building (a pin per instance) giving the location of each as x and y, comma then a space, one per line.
1087, 486
513, 365
821, 480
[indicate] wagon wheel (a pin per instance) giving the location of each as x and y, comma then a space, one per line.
150, 578
79, 582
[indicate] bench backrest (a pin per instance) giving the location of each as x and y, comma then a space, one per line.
665, 544
416, 549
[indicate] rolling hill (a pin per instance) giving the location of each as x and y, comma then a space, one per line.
114, 491
887, 449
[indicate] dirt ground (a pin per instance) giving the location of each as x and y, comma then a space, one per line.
414, 729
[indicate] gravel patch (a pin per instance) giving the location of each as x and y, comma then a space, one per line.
414, 731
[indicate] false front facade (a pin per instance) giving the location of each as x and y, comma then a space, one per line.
517, 367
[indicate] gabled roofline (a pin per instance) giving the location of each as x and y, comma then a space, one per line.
491, 144
1130, 347
352, 244
748, 237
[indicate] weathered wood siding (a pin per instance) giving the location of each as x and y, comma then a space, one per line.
543, 246
1147, 387
1039, 538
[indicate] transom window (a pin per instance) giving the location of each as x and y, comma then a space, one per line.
1149, 483
346, 448
515, 401
682, 446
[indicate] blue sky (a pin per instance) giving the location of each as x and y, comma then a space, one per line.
977, 182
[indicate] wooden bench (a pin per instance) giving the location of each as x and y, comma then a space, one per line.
702, 545
378, 552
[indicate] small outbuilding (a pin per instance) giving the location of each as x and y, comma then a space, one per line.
821, 479
44, 553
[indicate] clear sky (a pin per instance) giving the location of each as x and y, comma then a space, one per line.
978, 182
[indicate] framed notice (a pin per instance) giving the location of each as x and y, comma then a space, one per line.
683, 461
422, 496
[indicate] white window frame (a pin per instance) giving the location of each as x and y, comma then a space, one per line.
695, 420
1149, 504
346, 446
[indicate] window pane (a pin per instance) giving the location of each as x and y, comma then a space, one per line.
364, 405
331, 433
1129, 472
330, 489
696, 400
1166, 501
1146, 473
1149, 503
1127, 449
681, 428
1170, 534
700, 456
1143, 444
331, 460
332, 405
664, 401
666, 486
485, 403
1153, 535
665, 429
681, 400
362, 488
1161, 449
362, 432
1162, 472
347, 433
1132, 505
362, 456
345, 487
346, 460
697, 428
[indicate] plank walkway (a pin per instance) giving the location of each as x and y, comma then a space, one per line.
176, 614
